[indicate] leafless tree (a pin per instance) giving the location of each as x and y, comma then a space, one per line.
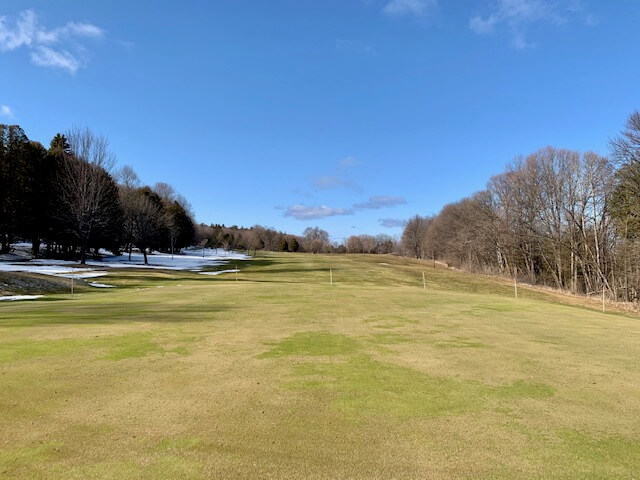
626, 146
89, 199
354, 244
148, 222
128, 183
413, 237
368, 243
316, 240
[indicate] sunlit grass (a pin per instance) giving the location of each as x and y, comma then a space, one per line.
180, 375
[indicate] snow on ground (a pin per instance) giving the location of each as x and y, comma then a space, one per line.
219, 272
52, 270
13, 298
193, 259
101, 285
83, 274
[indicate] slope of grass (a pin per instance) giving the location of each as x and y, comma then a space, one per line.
179, 375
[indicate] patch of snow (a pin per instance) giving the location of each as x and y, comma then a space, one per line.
101, 285
219, 272
22, 245
84, 274
13, 298
191, 260
52, 270
164, 261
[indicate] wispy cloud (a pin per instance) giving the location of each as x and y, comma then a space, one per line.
340, 178
126, 44
381, 201
392, 222
349, 162
48, 57
5, 111
304, 212
409, 7
54, 48
518, 15
329, 182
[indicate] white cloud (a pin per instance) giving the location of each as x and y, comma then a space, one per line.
304, 212
5, 111
392, 222
409, 7
48, 57
55, 48
381, 201
517, 15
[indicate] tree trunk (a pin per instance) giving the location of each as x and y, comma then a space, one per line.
35, 246
83, 253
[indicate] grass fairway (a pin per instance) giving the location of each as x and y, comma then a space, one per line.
177, 375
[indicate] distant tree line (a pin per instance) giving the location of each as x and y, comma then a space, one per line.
381, 244
556, 217
69, 198
252, 239
313, 240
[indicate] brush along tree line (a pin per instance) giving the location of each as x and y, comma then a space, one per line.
556, 217
70, 198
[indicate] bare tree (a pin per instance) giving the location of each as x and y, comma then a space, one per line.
626, 146
165, 191
368, 243
129, 182
354, 244
385, 244
149, 221
413, 236
253, 239
316, 240
87, 191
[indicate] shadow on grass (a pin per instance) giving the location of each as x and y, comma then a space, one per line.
114, 313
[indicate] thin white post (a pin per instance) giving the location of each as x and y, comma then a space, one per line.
236, 272
424, 282
331, 277
603, 299
72, 286
515, 283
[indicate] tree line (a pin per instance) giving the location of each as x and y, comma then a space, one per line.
555, 217
252, 239
313, 240
70, 198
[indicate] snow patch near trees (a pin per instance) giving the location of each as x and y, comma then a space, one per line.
14, 298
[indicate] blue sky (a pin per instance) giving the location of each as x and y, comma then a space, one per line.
347, 114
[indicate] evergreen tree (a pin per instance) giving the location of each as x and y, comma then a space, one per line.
181, 228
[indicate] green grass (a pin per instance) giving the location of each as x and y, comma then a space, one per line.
177, 375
